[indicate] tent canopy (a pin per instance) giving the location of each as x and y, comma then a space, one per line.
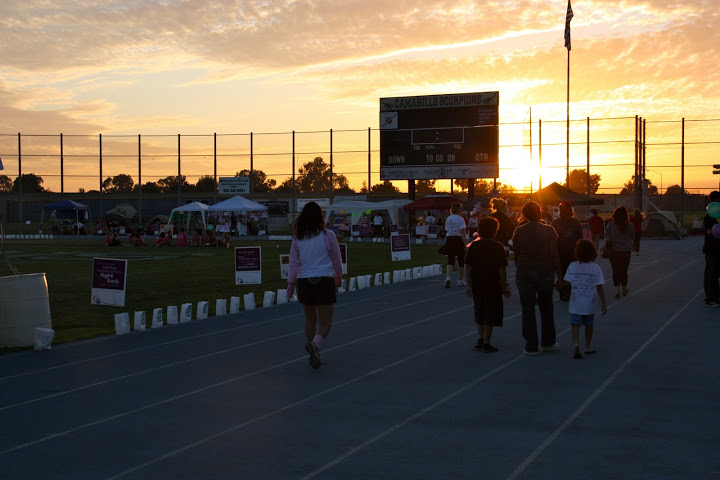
190, 208
67, 209
432, 202
662, 224
240, 204
555, 193
124, 209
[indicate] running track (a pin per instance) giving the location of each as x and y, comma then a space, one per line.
402, 394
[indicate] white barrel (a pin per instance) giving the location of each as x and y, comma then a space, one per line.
24, 306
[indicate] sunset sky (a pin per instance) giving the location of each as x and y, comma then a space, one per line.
170, 67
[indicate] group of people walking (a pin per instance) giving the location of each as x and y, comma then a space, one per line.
547, 257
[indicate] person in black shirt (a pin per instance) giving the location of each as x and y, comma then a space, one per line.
486, 281
711, 249
569, 231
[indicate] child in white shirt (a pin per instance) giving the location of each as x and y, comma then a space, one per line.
586, 279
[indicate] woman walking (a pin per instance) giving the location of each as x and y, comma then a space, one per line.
455, 243
637, 220
621, 235
316, 267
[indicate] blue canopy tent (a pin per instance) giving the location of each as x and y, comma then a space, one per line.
67, 210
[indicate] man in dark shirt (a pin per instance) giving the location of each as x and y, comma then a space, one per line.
711, 249
569, 231
538, 264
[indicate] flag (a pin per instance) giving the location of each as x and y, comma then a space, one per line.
568, 17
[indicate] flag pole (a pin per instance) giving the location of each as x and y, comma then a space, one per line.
568, 17
567, 125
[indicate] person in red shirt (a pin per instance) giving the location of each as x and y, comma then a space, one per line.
182, 238
196, 240
163, 240
597, 226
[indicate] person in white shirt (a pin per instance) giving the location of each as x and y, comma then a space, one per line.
586, 279
455, 243
377, 225
430, 219
316, 267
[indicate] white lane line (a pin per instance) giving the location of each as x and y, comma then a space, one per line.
550, 439
194, 337
440, 402
290, 405
397, 426
241, 377
197, 358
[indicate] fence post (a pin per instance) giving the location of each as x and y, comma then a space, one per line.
140, 220
62, 169
252, 177
294, 203
215, 183
179, 177
20, 183
100, 159
682, 174
331, 165
369, 184
540, 154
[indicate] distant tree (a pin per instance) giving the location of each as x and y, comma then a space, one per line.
286, 186
81, 190
6, 183
205, 184
31, 183
425, 186
675, 190
118, 184
482, 187
578, 181
364, 188
385, 187
629, 187
260, 182
314, 177
151, 187
170, 184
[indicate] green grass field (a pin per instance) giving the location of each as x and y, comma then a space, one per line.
168, 276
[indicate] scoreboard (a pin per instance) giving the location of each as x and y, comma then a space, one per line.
439, 136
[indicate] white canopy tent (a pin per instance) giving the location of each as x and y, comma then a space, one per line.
188, 211
238, 205
242, 205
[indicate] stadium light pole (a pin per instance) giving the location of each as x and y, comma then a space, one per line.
661, 178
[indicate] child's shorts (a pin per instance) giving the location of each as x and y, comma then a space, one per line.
586, 320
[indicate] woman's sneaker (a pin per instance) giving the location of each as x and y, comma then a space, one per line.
487, 348
314, 351
447, 282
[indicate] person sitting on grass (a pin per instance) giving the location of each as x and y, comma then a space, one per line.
586, 280
196, 239
111, 240
182, 238
163, 240
136, 240
225, 240
487, 281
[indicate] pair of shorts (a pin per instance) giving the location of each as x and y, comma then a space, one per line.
316, 290
488, 309
586, 320
455, 248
